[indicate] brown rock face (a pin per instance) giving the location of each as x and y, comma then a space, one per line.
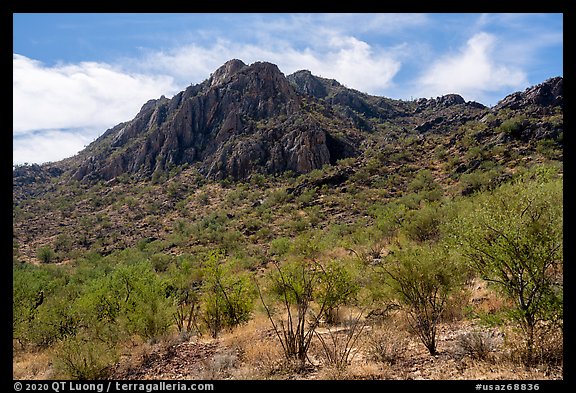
251, 118
241, 120
546, 94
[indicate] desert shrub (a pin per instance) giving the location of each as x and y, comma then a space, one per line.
513, 237
29, 283
548, 348
46, 254
133, 297
389, 218
337, 287
63, 243
440, 152
277, 197
84, 358
42, 306
280, 246
338, 344
203, 198
481, 179
227, 295
477, 344
512, 126
473, 181
160, 262
54, 321
258, 180
386, 346
423, 181
549, 148
293, 285
298, 285
306, 245
307, 196
422, 278
423, 224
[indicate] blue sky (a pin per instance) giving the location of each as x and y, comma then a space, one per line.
76, 75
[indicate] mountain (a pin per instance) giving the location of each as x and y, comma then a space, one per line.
125, 254
247, 119
298, 132
243, 119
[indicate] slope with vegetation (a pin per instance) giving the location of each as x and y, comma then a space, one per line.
401, 240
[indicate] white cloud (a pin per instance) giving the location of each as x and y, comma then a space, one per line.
49, 145
88, 94
382, 23
344, 58
96, 96
57, 110
474, 72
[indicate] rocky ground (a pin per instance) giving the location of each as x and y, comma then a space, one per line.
226, 359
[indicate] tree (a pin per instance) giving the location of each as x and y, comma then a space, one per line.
513, 238
423, 278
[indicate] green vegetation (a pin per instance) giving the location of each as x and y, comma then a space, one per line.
403, 229
46, 254
513, 238
227, 296
423, 278
306, 291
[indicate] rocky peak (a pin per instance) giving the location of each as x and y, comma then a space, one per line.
252, 118
223, 73
243, 119
545, 94
444, 101
307, 83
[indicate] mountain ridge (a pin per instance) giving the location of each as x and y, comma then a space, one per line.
246, 119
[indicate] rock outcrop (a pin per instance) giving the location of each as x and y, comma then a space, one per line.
248, 119
243, 119
547, 94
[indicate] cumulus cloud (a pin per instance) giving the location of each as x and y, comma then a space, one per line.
57, 110
473, 72
89, 94
344, 58
49, 145
95, 96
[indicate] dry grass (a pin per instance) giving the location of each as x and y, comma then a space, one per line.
485, 300
32, 365
386, 350
386, 345
259, 350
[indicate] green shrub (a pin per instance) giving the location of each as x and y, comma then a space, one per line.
306, 197
227, 296
280, 246
46, 254
338, 287
513, 237
160, 262
133, 297
423, 181
85, 358
422, 279
277, 197
512, 126
423, 224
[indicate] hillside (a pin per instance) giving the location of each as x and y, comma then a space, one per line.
252, 169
